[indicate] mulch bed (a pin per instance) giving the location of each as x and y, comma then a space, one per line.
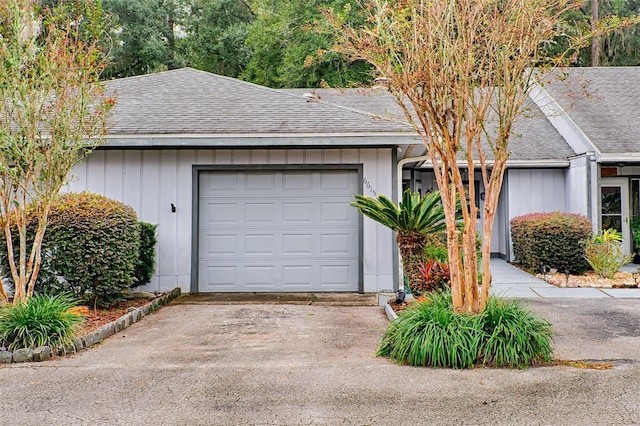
96, 318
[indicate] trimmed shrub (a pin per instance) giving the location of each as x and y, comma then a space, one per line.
146, 262
43, 320
555, 240
90, 248
431, 334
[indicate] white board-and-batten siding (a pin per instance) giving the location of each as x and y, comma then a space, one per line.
533, 191
152, 180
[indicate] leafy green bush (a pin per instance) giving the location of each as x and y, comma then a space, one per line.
555, 240
604, 253
513, 336
146, 262
435, 248
90, 248
43, 320
430, 333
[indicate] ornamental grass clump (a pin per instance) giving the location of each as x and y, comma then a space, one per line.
513, 336
43, 320
432, 334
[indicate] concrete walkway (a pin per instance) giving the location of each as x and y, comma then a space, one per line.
509, 281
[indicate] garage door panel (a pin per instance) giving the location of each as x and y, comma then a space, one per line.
260, 276
216, 213
220, 244
260, 182
218, 278
297, 244
259, 244
342, 244
278, 231
218, 184
336, 213
259, 213
332, 181
297, 276
337, 277
297, 181
296, 213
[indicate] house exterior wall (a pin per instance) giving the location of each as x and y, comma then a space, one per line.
532, 191
152, 180
577, 185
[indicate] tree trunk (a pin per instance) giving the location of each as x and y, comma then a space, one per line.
595, 44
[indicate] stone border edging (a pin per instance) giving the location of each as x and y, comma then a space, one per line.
390, 312
134, 315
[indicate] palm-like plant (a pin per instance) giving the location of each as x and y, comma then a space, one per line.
413, 220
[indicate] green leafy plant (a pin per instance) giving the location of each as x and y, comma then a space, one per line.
513, 336
43, 320
635, 231
413, 220
605, 254
90, 248
435, 276
146, 262
555, 240
430, 333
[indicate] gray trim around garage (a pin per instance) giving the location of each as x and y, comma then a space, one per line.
195, 220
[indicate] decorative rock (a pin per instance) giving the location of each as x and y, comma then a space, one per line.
137, 314
5, 357
42, 353
106, 331
121, 323
130, 319
23, 355
146, 309
78, 345
91, 339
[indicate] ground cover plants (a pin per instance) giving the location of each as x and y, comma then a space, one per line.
42, 320
429, 333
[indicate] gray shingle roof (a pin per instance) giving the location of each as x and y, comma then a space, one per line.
604, 102
187, 101
184, 103
534, 138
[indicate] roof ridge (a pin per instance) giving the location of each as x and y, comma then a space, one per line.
344, 107
275, 92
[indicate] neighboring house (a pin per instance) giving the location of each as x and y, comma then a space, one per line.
250, 186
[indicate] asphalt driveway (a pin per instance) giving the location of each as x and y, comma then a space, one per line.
292, 364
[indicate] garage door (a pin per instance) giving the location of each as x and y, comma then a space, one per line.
278, 231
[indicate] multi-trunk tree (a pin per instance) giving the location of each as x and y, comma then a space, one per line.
461, 70
53, 112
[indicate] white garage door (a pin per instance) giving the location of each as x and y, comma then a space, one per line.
278, 231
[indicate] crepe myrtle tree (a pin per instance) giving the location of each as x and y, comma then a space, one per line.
53, 112
461, 70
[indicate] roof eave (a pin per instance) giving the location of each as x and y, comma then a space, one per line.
258, 140
518, 164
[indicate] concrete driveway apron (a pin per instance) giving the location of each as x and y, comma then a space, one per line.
298, 364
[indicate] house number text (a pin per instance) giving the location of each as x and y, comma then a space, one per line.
369, 187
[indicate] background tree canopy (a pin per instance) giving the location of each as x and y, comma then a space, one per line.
279, 43
271, 42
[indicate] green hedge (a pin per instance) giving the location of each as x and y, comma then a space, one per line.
146, 262
555, 240
90, 248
